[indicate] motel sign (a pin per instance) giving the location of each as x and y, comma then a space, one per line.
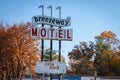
51, 21
51, 33
56, 31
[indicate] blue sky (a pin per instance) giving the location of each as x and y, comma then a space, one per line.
88, 17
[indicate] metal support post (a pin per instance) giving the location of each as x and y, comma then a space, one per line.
50, 7
59, 8
42, 58
51, 42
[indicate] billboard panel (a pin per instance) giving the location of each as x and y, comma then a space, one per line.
48, 20
51, 67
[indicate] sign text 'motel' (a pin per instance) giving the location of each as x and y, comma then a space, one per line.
57, 22
51, 33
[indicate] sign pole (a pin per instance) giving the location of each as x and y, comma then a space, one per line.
50, 7
41, 6
59, 8
59, 40
51, 42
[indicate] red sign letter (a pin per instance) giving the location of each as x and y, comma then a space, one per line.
34, 31
52, 30
68, 34
43, 32
60, 33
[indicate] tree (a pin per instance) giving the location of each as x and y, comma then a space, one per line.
102, 56
106, 46
115, 64
106, 53
81, 58
55, 56
17, 51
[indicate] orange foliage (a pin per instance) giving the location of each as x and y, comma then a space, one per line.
110, 37
17, 51
108, 34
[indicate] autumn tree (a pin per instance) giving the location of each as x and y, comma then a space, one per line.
104, 52
105, 49
102, 56
17, 51
3, 48
81, 58
115, 64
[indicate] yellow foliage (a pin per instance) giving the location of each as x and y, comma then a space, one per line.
108, 34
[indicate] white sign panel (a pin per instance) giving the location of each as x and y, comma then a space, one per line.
51, 67
51, 33
51, 21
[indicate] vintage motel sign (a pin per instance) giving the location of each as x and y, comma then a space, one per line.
51, 21
51, 33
